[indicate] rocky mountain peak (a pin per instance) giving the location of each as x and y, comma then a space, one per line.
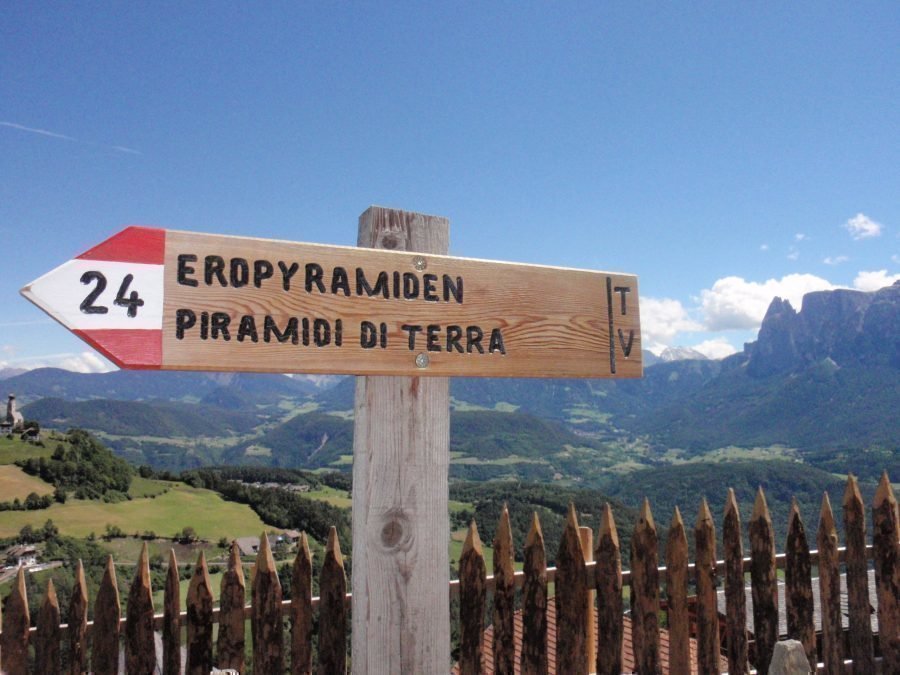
845, 326
670, 354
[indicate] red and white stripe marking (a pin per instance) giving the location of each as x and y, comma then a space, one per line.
135, 340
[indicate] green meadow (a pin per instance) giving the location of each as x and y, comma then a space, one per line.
169, 512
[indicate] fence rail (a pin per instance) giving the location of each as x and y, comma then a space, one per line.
716, 643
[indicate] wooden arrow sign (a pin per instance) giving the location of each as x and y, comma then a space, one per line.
161, 299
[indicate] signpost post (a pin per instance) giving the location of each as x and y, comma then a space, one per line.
400, 308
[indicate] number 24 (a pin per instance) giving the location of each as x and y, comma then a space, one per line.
132, 302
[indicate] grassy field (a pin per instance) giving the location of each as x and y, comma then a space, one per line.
330, 495
12, 449
182, 506
15, 483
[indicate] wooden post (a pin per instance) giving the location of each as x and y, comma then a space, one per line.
861, 645
886, 541
199, 621
735, 599
472, 583
105, 632
608, 582
676, 596
763, 581
332, 610
301, 610
46, 649
77, 619
830, 591
140, 654
504, 644
707, 611
571, 589
171, 633
798, 596
268, 645
534, 603
232, 594
401, 569
16, 620
645, 593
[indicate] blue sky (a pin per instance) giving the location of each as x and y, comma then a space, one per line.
723, 152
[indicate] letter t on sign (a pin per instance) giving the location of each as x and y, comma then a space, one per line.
401, 459
628, 343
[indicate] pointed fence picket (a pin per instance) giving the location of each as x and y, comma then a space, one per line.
692, 636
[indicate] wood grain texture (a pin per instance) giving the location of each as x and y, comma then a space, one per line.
798, 595
401, 569
105, 632
555, 322
332, 610
735, 599
886, 542
171, 632
645, 593
571, 588
676, 595
610, 607
140, 653
46, 649
504, 644
77, 620
707, 611
764, 581
472, 591
199, 621
830, 591
16, 620
586, 536
232, 598
861, 643
301, 610
534, 602
268, 640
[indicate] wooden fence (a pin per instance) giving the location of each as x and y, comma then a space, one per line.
575, 578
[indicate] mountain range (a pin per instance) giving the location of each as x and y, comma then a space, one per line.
822, 382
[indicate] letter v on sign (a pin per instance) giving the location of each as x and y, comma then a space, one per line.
124, 297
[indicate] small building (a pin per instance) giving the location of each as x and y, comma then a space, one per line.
249, 546
13, 422
23, 555
292, 536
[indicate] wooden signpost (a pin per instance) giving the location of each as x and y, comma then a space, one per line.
152, 298
399, 307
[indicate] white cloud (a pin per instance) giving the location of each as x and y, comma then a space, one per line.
662, 319
763, 247
799, 236
83, 362
793, 254
34, 130
872, 281
861, 226
895, 258
64, 137
716, 348
734, 303
835, 260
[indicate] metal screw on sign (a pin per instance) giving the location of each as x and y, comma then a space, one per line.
420, 263
422, 360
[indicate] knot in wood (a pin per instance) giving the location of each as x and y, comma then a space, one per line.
396, 532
